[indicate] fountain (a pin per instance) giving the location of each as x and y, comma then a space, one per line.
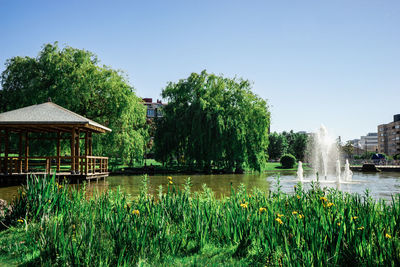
338, 171
348, 174
325, 158
300, 171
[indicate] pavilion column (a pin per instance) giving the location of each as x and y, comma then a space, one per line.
20, 153
26, 150
77, 152
73, 151
6, 135
58, 150
90, 144
86, 152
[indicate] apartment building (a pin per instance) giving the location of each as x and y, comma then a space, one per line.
369, 143
389, 137
154, 110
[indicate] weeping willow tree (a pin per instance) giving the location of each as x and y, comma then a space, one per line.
213, 121
74, 79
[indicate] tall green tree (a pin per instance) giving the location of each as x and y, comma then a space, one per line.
211, 121
278, 145
74, 79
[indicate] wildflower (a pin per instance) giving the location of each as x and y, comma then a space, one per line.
294, 212
169, 178
388, 236
298, 197
354, 218
323, 199
360, 228
49, 200
60, 186
280, 215
301, 216
338, 223
170, 182
243, 205
135, 212
20, 220
330, 204
279, 220
262, 210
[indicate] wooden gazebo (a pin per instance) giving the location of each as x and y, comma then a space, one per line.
65, 124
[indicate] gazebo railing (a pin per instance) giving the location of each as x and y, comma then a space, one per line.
82, 165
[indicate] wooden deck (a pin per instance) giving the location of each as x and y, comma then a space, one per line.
20, 178
74, 169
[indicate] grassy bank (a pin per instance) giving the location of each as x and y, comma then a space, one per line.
51, 225
174, 168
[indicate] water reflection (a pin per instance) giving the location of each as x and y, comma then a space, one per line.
380, 185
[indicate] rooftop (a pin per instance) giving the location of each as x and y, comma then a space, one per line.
48, 114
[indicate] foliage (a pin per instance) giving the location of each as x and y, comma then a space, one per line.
348, 148
213, 121
315, 227
297, 143
278, 145
288, 161
72, 78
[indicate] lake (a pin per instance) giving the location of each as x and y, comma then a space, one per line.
381, 185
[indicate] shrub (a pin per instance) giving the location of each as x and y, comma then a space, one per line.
288, 161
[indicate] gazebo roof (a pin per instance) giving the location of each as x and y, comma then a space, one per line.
48, 117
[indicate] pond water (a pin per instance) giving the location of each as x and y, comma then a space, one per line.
380, 185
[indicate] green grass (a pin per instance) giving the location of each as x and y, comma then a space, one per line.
52, 225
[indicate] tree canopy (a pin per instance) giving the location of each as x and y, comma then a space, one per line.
73, 78
213, 121
287, 142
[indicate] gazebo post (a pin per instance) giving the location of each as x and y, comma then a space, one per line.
77, 153
6, 152
58, 151
73, 151
20, 153
86, 152
26, 150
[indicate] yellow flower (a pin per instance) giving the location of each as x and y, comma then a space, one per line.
280, 215
354, 218
49, 201
60, 186
338, 223
298, 197
301, 216
262, 210
294, 212
360, 228
21, 221
136, 212
170, 182
330, 204
243, 205
323, 199
279, 220
388, 236
169, 178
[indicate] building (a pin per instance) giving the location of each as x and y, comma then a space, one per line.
154, 110
369, 143
389, 137
20, 127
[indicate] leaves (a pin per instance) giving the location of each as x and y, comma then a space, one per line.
74, 80
212, 121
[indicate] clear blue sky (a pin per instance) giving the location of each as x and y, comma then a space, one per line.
330, 62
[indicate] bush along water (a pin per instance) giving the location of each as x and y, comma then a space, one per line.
288, 161
57, 225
